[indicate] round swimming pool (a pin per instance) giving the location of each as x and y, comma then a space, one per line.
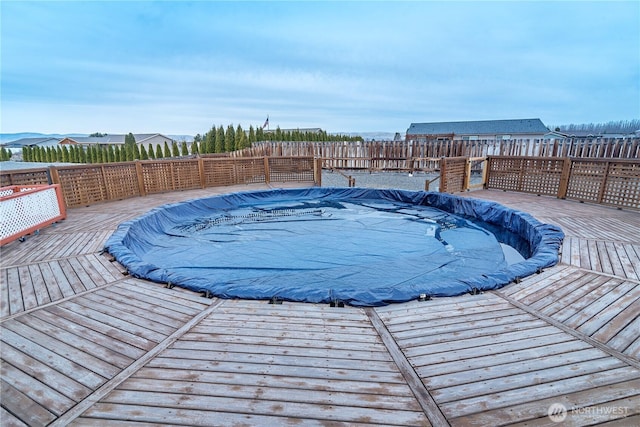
363, 247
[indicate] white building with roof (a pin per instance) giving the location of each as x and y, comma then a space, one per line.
477, 130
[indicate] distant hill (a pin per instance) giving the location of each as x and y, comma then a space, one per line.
8, 137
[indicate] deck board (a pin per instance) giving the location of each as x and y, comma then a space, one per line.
83, 344
274, 368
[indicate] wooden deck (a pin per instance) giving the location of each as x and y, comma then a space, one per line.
85, 344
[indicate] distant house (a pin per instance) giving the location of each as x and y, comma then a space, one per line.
477, 130
32, 142
145, 139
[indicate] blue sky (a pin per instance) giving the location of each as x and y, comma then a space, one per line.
181, 67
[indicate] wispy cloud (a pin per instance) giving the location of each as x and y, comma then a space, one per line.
179, 67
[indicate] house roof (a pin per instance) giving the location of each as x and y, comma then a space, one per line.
32, 141
484, 127
115, 138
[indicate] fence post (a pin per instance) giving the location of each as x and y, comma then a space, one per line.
564, 178
54, 177
140, 176
603, 183
317, 171
485, 172
267, 178
443, 175
467, 175
203, 181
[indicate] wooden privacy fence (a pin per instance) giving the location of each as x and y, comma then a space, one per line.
614, 182
84, 185
400, 154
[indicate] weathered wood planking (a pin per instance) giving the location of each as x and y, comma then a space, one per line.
55, 357
33, 285
83, 344
253, 362
615, 258
484, 366
605, 308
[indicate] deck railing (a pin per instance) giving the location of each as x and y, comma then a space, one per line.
84, 185
25, 209
613, 182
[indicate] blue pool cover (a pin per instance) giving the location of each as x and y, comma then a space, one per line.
363, 247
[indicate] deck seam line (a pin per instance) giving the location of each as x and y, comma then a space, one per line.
612, 276
126, 373
47, 260
618, 355
65, 299
415, 384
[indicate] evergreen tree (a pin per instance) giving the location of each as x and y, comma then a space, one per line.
143, 153
238, 137
252, 135
175, 151
184, 150
229, 139
220, 137
167, 150
242, 142
159, 152
59, 151
211, 140
129, 139
136, 152
194, 148
150, 152
25, 153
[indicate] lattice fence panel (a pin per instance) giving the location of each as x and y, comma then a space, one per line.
250, 171
32, 209
82, 186
24, 177
622, 187
121, 180
219, 172
504, 173
157, 177
586, 180
452, 175
288, 169
186, 174
541, 176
